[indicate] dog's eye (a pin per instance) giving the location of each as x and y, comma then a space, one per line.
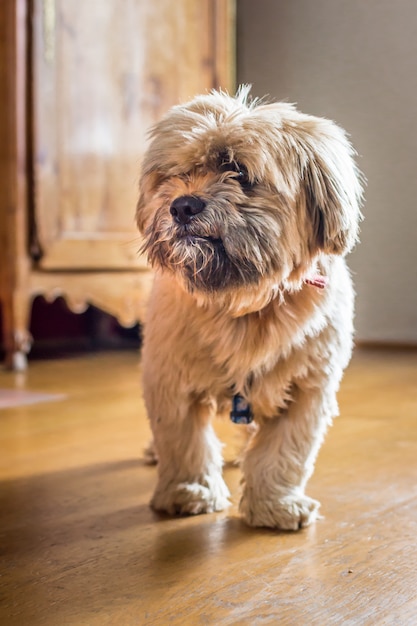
240, 171
243, 178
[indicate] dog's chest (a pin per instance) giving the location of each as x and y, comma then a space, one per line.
253, 346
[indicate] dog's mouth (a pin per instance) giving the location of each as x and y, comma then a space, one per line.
208, 266
191, 238
192, 234
202, 258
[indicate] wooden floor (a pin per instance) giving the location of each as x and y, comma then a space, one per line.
79, 545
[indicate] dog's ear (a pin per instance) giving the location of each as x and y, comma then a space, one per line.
331, 185
140, 210
140, 217
147, 185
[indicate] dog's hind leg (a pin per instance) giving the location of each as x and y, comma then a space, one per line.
189, 459
281, 459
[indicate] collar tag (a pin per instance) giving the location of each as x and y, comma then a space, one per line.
241, 412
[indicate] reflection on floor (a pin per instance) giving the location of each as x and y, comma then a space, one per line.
80, 546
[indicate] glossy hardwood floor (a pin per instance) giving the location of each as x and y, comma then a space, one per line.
79, 545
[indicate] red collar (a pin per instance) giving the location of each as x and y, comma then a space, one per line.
317, 281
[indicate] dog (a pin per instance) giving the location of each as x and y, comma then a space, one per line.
247, 210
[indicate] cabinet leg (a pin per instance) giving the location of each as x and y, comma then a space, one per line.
17, 338
19, 362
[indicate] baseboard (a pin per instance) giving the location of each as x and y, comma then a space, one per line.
386, 345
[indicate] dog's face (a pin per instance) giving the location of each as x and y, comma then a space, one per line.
239, 196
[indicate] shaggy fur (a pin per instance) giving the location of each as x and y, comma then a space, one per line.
240, 203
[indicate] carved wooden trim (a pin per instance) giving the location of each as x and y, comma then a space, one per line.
122, 294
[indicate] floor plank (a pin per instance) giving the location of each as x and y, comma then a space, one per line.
80, 546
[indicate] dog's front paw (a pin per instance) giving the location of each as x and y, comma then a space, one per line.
192, 498
286, 511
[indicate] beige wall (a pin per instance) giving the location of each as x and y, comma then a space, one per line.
354, 61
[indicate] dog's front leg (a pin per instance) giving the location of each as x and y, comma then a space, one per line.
189, 459
281, 460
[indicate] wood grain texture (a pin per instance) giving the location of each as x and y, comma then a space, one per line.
103, 75
81, 83
79, 545
14, 265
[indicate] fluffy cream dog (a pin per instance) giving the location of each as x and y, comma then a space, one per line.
247, 210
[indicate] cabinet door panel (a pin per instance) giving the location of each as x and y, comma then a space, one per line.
103, 72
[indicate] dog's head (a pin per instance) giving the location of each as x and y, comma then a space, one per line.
238, 195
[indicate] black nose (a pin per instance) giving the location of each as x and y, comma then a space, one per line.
184, 208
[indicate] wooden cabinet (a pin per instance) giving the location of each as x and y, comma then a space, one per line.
81, 83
